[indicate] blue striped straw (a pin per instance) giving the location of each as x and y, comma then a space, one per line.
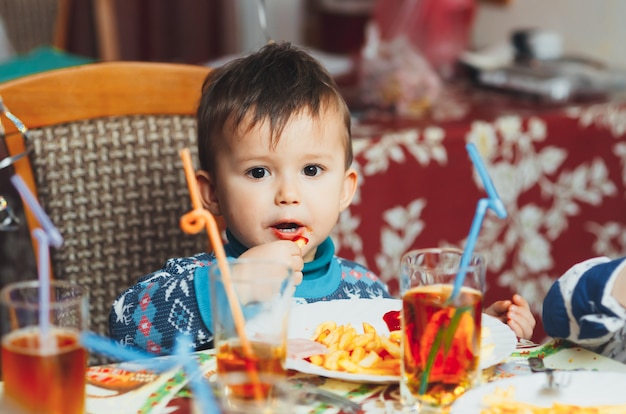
493, 201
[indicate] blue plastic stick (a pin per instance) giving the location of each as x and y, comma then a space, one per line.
43, 275
110, 348
494, 202
54, 236
46, 237
202, 392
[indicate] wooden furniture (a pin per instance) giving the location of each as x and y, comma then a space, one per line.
106, 23
106, 167
33, 23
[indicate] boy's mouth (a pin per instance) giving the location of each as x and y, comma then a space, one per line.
288, 231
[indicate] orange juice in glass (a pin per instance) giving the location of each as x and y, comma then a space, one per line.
44, 370
441, 338
251, 370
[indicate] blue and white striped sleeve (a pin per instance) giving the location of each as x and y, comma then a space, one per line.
580, 307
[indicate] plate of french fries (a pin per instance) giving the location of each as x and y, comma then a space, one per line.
583, 392
358, 345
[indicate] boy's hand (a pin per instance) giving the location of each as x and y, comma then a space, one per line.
515, 313
282, 250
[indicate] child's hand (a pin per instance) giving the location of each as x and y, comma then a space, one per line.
281, 250
515, 313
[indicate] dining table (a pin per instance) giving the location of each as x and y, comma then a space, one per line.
145, 384
126, 387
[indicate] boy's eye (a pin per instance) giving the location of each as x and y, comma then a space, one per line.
258, 172
312, 170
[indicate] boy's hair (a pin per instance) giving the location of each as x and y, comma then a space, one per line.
272, 84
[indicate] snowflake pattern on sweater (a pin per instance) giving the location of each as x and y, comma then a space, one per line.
166, 303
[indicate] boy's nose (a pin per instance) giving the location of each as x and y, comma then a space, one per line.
287, 193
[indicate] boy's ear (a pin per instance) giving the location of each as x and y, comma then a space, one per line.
350, 182
208, 195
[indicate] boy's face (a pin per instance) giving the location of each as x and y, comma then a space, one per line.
298, 187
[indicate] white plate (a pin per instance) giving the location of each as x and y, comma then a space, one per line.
587, 388
502, 341
305, 318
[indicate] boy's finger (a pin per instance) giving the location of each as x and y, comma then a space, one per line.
520, 329
501, 306
519, 300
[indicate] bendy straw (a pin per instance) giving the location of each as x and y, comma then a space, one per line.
192, 223
493, 201
201, 390
54, 236
50, 235
182, 357
108, 347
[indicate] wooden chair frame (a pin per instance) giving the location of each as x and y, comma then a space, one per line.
93, 91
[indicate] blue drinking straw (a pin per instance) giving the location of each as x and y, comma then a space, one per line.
201, 390
494, 202
50, 235
108, 347
54, 236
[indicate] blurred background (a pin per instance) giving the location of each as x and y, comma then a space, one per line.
199, 31
390, 57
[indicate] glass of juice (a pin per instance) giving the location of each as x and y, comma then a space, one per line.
250, 338
44, 364
441, 334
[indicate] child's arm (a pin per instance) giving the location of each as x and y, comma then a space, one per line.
586, 304
160, 306
515, 313
619, 289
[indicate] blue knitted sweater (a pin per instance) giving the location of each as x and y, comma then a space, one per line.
174, 300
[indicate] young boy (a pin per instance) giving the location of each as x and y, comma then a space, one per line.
587, 306
275, 156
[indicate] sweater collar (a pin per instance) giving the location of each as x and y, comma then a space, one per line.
319, 266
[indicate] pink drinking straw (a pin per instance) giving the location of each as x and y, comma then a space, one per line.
49, 236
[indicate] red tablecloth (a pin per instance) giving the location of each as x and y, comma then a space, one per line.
561, 172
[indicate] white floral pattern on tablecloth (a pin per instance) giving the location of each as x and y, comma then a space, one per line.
561, 175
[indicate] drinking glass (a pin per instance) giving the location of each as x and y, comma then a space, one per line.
441, 335
251, 372
44, 364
